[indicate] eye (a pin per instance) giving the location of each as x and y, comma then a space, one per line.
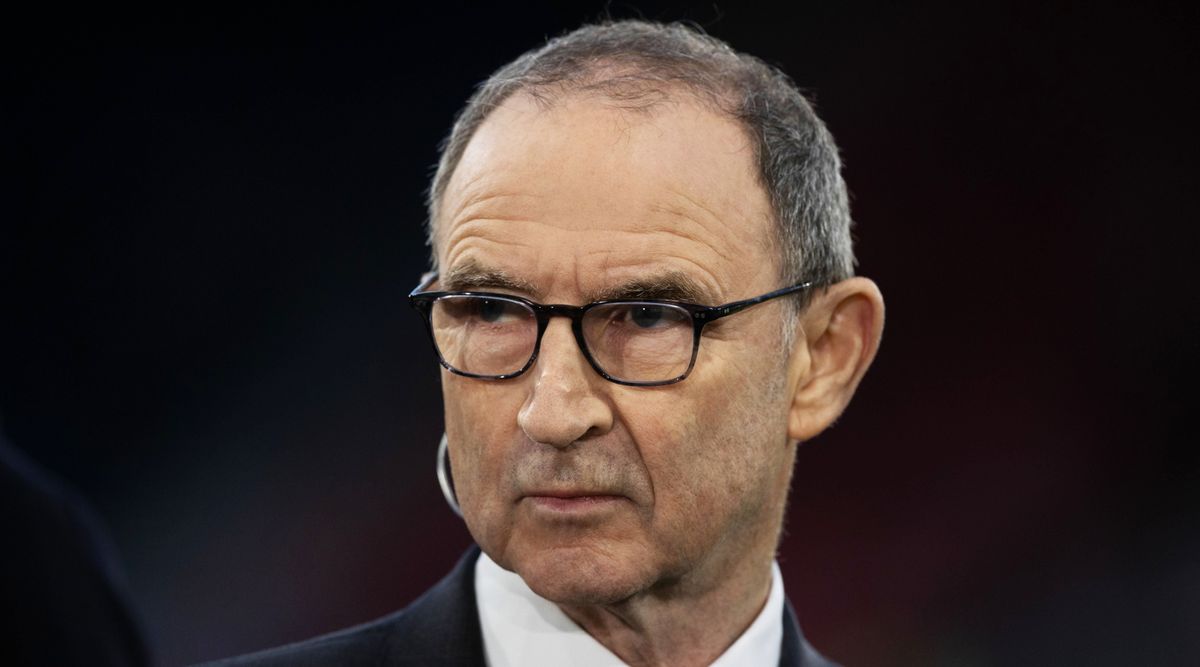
491, 310
648, 317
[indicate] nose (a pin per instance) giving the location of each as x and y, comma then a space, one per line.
566, 402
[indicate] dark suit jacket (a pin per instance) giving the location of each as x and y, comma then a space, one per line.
442, 628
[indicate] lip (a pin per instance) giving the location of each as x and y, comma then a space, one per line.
572, 502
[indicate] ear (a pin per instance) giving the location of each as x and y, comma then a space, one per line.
840, 332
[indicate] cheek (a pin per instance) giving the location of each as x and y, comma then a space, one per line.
711, 449
481, 423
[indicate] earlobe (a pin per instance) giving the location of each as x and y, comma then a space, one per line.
842, 330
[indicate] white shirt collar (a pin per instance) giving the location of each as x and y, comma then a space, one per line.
521, 628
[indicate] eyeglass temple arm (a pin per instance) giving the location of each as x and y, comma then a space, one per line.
717, 312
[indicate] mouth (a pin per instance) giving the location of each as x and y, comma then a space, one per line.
572, 503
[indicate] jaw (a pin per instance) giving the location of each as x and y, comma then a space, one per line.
590, 560
584, 576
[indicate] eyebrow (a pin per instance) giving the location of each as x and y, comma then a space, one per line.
673, 286
470, 275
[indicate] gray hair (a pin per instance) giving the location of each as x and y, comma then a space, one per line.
636, 65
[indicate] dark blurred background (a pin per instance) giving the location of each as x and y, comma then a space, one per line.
211, 219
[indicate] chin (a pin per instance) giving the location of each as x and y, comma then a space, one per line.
582, 575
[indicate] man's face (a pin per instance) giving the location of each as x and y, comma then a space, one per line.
592, 491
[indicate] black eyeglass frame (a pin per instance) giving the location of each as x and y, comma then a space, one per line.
423, 301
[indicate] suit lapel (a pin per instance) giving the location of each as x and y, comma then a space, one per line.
442, 626
796, 651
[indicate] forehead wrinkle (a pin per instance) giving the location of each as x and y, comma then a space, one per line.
472, 189
705, 245
487, 204
736, 222
471, 205
478, 249
484, 229
463, 189
675, 212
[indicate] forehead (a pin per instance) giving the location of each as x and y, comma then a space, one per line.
575, 195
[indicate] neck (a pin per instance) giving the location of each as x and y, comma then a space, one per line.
680, 623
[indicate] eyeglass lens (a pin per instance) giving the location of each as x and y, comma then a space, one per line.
633, 342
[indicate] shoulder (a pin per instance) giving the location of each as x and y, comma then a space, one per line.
440, 628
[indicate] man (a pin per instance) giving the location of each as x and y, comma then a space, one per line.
622, 456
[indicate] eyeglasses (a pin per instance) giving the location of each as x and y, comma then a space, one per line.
638, 342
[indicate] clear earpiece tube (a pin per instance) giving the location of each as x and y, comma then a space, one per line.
443, 475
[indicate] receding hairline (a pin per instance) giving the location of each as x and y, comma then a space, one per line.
632, 83
666, 102
619, 86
